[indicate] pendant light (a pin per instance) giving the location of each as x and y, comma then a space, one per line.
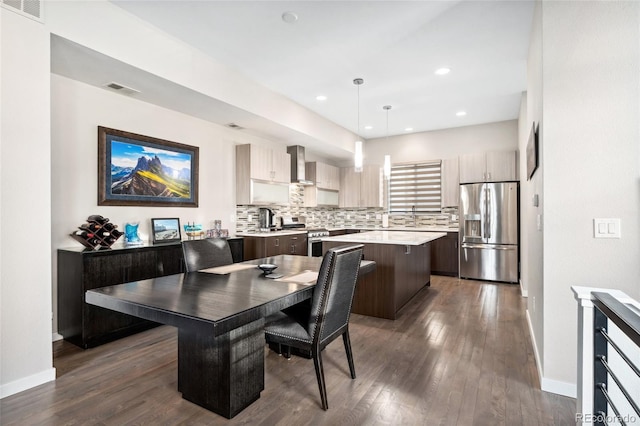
387, 158
358, 157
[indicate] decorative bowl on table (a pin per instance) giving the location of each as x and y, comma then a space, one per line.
267, 268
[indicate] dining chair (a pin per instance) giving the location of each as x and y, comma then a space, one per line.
326, 318
207, 253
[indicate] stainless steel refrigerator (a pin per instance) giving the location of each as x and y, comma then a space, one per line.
489, 231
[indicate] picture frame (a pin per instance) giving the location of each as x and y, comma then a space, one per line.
138, 170
165, 230
532, 152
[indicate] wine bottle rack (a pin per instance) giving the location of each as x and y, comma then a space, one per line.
98, 232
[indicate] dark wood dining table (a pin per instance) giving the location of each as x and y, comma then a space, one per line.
220, 321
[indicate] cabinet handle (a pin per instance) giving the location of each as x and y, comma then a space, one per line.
293, 249
277, 242
407, 250
489, 176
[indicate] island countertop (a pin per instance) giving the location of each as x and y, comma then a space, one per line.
406, 238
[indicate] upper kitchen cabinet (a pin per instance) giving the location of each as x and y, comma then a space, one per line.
363, 189
262, 175
324, 192
323, 175
495, 166
450, 175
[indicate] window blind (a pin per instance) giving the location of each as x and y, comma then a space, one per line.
415, 188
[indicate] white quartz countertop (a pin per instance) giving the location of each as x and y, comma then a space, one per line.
271, 233
400, 228
405, 238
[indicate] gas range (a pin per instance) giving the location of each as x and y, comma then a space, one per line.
316, 233
314, 236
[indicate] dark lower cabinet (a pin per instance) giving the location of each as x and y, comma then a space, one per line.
444, 255
80, 270
273, 245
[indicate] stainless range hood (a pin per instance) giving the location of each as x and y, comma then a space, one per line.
298, 165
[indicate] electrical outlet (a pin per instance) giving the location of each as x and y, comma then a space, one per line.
366, 216
249, 217
348, 216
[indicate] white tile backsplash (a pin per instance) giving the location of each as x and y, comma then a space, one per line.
338, 217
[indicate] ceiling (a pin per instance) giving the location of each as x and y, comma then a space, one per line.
395, 46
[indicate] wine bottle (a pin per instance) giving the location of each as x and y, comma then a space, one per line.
90, 227
109, 240
84, 234
97, 219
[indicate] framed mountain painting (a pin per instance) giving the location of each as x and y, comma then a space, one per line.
137, 170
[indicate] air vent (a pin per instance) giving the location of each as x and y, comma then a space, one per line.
234, 126
122, 89
29, 8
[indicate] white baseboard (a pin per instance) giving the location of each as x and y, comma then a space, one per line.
523, 291
535, 348
29, 382
560, 388
55, 337
548, 385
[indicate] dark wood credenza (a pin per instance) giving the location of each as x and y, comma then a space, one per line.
80, 270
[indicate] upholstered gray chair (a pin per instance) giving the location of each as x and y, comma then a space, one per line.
326, 318
208, 253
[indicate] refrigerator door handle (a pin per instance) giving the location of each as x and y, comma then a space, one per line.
487, 232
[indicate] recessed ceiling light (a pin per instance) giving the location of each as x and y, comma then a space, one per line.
368, 127
408, 129
289, 17
321, 98
461, 113
443, 71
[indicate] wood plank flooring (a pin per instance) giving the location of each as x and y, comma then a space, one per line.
458, 354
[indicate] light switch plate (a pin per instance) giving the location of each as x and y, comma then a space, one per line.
606, 228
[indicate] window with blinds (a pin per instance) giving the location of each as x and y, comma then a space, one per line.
415, 188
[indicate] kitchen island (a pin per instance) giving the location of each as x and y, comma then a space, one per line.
403, 267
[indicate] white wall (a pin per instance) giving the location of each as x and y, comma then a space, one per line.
441, 144
532, 236
591, 159
77, 109
25, 232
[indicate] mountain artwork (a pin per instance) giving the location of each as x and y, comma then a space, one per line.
140, 170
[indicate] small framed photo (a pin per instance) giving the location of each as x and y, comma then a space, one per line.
165, 230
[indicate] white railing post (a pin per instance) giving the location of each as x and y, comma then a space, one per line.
584, 402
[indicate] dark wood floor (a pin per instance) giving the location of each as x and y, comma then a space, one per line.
458, 354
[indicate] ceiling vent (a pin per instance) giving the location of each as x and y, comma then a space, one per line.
122, 89
234, 126
29, 8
